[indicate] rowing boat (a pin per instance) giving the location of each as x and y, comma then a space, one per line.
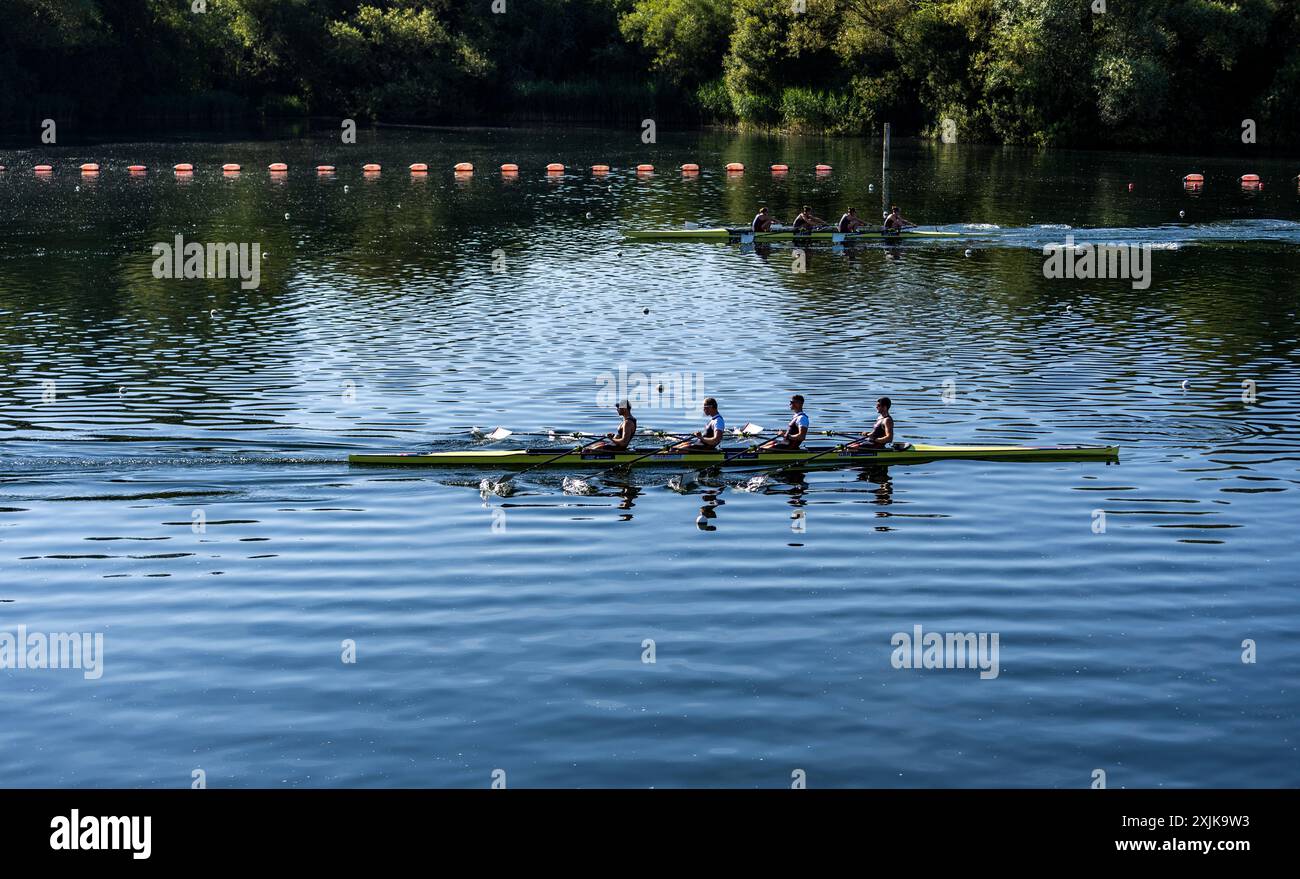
899, 453
743, 234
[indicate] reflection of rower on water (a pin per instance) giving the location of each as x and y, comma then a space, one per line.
796, 432
895, 222
851, 222
709, 438
622, 438
807, 220
882, 434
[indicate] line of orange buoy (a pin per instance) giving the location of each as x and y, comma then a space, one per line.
1191, 182
1196, 182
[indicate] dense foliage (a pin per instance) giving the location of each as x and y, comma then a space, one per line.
1015, 71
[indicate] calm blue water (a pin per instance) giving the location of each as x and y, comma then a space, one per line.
507, 632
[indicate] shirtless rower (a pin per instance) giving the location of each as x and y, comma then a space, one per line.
622, 438
797, 430
895, 222
882, 434
851, 222
762, 221
807, 220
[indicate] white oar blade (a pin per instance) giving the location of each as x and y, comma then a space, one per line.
498, 433
749, 429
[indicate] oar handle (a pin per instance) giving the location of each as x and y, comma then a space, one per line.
758, 440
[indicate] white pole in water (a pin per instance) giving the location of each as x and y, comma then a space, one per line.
884, 174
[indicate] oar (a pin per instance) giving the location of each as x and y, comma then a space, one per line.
495, 485
753, 431
841, 447
677, 438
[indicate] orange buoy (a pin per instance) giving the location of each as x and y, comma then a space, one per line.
89, 168
823, 169
230, 169
372, 168
509, 168
644, 169
324, 169
183, 168
464, 168
43, 169
1251, 181
136, 169
690, 168
277, 167
419, 168
780, 169
555, 168
1194, 181
600, 169
735, 167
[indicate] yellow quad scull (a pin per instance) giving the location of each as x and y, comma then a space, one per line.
899, 453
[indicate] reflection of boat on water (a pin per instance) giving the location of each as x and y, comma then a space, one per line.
829, 456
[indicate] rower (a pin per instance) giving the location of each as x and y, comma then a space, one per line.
622, 438
807, 221
797, 430
712, 435
851, 222
762, 221
894, 221
882, 434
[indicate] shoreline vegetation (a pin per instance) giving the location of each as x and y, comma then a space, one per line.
1059, 73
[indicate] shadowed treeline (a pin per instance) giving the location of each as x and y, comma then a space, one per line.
1047, 72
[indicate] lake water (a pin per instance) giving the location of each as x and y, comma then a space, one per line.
173, 471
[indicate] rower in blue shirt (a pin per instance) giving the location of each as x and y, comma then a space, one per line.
714, 431
795, 432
